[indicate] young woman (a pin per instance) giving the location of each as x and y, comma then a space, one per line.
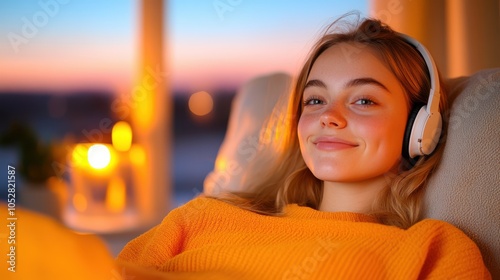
340, 197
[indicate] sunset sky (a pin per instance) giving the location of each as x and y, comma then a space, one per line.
62, 45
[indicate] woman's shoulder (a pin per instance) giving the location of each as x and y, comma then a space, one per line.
441, 232
450, 245
205, 203
201, 207
434, 224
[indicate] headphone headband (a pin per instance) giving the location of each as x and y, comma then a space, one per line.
423, 129
434, 94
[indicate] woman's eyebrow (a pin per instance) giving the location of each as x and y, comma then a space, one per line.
365, 81
315, 83
351, 83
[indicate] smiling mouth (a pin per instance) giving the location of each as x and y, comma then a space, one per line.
333, 144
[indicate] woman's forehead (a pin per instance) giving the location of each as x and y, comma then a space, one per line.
343, 62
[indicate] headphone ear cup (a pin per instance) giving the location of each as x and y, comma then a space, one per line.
410, 126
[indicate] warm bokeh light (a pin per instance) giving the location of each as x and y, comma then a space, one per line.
201, 103
98, 156
137, 155
116, 195
121, 136
221, 163
79, 202
79, 155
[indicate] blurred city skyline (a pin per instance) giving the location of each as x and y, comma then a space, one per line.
66, 45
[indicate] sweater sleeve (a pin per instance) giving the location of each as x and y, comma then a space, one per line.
452, 255
158, 245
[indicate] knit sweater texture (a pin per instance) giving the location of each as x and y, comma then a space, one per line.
209, 237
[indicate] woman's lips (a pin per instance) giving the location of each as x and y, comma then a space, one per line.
333, 143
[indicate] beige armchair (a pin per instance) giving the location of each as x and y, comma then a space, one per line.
465, 191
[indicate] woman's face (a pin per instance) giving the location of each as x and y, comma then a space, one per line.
354, 116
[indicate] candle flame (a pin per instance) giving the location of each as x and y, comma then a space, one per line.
98, 156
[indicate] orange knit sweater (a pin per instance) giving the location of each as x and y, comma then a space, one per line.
207, 235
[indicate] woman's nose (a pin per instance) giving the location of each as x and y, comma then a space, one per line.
333, 117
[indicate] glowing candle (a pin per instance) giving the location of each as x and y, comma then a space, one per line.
103, 183
98, 156
121, 135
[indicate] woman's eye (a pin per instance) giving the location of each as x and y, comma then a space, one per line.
364, 101
313, 101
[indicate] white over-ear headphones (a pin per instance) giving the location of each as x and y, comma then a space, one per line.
423, 129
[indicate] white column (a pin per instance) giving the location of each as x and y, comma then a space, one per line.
151, 117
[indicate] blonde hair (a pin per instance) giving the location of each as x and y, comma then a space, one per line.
278, 176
